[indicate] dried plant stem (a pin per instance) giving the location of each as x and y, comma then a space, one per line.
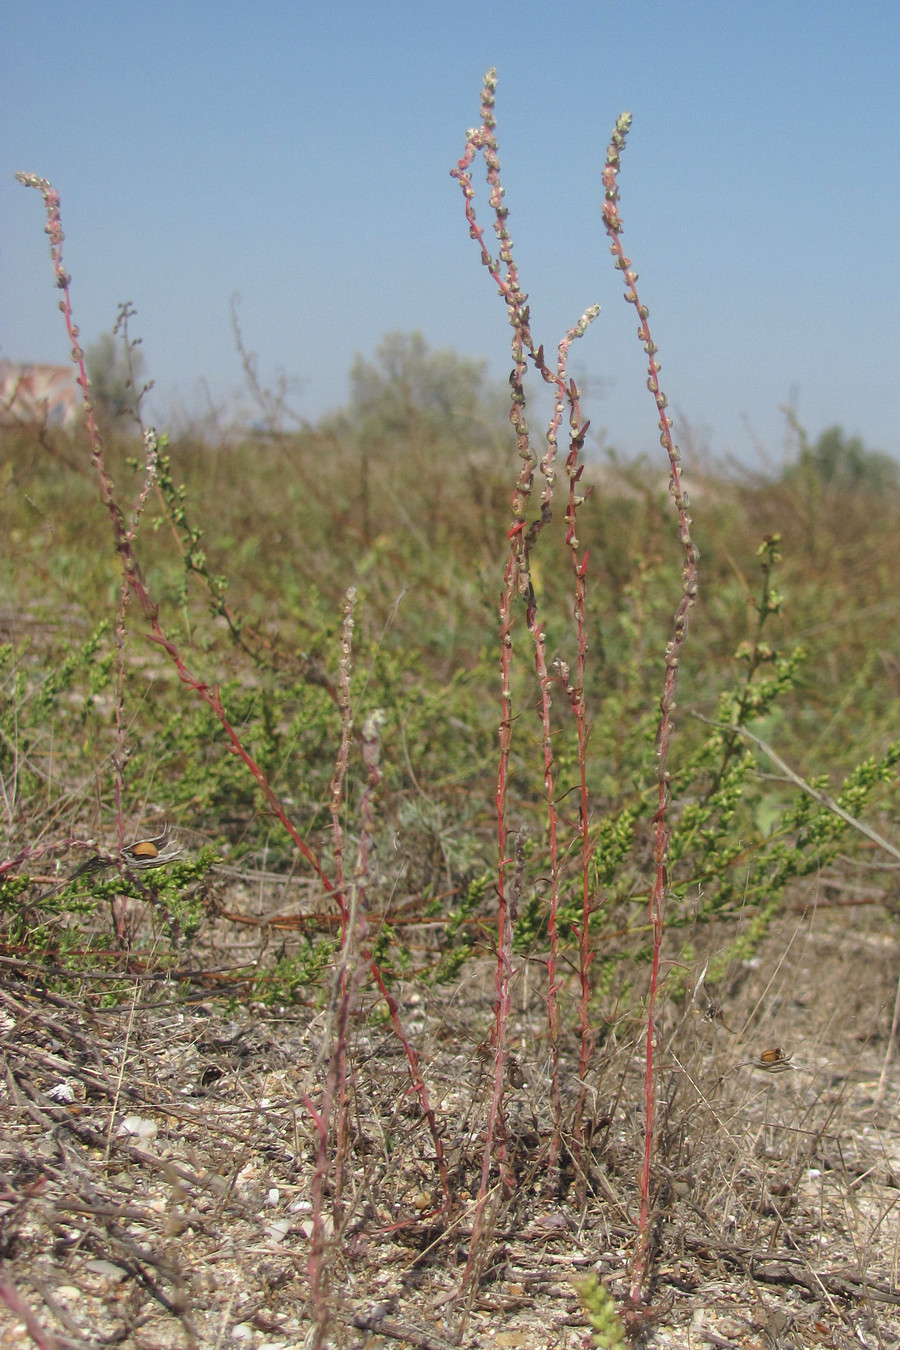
120, 903
612, 221
817, 795
343, 758
346, 978
329, 1117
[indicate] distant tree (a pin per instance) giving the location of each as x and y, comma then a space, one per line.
413, 390
841, 461
417, 410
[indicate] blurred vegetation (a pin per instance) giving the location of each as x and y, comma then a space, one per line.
250, 543
115, 367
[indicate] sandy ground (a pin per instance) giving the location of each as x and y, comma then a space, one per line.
156, 1164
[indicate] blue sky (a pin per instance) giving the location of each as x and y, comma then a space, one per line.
299, 155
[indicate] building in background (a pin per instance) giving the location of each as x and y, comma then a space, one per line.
37, 393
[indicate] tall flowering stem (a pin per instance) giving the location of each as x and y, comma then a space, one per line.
516, 578
124, 538
613, 223
567, 392
54, 231
575, 694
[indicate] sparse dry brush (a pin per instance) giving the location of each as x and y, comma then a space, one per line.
511, 967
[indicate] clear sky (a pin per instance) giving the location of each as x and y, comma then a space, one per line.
298, 154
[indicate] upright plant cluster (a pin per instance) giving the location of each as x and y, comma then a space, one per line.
607, 856
523, 537
517, 584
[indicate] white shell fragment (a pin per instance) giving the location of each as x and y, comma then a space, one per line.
145, 1130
